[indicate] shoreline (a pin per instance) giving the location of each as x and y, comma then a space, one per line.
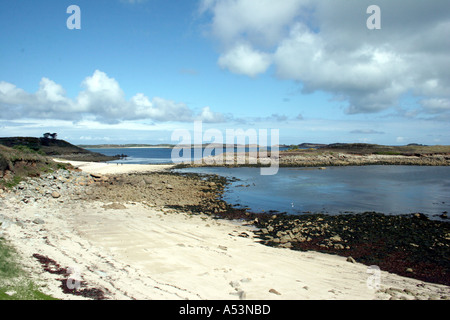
168, 242
290, 159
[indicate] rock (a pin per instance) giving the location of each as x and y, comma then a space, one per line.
336, 238
244, 235
55, 194
409, 270
339, 246
351, 260
285, 245
115, 206
222, 247
285, 239
38, 221
420, 216
275, 292
240, 293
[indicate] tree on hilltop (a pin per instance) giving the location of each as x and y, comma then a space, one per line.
48, 135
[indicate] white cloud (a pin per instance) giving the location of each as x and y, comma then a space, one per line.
209, 116
326, 46
261, 21
242, 59
436, 105
366, 131
101, 100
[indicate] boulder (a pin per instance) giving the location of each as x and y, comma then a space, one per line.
336, 238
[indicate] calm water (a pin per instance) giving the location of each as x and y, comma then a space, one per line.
386, 189
150, 155
139, 155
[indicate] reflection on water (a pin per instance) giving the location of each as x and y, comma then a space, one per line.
387, 189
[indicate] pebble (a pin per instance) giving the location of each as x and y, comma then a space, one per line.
38, 221
55, 194
275, 292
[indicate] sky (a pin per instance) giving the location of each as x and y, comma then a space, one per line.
135, 71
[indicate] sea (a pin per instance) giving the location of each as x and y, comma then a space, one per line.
386, 189
162, 155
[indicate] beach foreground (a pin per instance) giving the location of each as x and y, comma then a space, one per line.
81, 240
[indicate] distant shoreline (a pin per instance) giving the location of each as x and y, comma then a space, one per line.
125, 147
168, 146
119, 147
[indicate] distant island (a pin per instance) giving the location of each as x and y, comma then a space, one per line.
118, 146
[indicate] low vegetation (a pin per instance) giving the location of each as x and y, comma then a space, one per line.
20, 162
54, 148
14, 281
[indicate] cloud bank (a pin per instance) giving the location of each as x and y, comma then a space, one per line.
101, 99
326, 46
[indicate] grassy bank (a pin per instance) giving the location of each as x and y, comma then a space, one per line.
20, 162
14, 281
55, 148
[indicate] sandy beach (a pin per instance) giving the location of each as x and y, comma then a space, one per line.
114, 168
144, 250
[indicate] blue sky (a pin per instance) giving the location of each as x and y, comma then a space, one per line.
138, 70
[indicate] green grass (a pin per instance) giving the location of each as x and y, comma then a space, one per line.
14, 281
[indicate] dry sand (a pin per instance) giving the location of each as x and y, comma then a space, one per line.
144, 252
105, 168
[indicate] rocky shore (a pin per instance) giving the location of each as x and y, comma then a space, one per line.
47, 215
344, 159
322, 159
